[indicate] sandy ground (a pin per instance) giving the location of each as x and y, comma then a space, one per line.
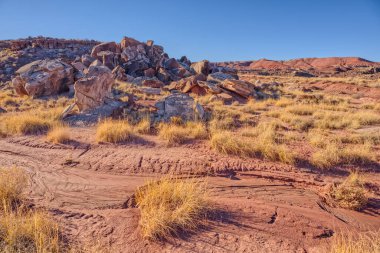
262, 206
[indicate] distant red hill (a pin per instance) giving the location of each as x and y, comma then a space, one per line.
306, 64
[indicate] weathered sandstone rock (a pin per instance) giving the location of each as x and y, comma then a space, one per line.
201, 67
91, 91
43, 78
242, 88
179, 105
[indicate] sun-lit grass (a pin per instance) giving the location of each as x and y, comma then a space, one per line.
170, 206
143, 126
334, 154
341, 120
29, 122
12, 184
349, 242
261, 141
114, 131
59, 134
24, 230
174, 133
301, 109
351, 193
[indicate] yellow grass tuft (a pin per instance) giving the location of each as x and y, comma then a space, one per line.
261, 141
28, 231
334, 154
143, 126
59, 134
171, 205
348, 242
350, 193
12, 184
114, 131
177, 134
23, 230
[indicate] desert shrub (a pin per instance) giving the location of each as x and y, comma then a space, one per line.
12, 184
348, 242
114, 131
350, 193
175, 134
143, 126
27, 231
58, 134
334, 154
171, 205
284, 102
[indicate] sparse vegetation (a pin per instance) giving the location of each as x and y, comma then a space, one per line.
114, 131
23, 230
143, 126
349, 242
261, 141
59, 134
333, 154
351, 193
12, 184
174, 133
171, 205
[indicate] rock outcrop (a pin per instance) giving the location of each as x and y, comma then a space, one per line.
43, 78
17, 53
179, 105
92, 90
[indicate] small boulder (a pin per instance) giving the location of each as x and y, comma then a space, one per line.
201, 67
87, 60
128, 42
219, 77
242, 88
106, 46
179, 105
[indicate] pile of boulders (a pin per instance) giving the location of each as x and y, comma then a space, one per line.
145, 65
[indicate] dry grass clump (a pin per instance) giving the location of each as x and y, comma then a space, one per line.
174, 133
114, 131
12, 184
171, 205
297, 122
23, 230
29, 122
334, 154
348, 242
28, 231
59, 134
340, 120
143, 126
350, 193
262, 141
301, 110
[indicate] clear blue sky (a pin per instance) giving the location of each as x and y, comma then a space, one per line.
218, 30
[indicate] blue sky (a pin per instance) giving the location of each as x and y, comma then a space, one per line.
217, 30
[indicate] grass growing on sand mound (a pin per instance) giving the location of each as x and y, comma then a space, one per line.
114, 131
27, 231
21, 229
367, 242
59, 134
351, 193
171, 205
